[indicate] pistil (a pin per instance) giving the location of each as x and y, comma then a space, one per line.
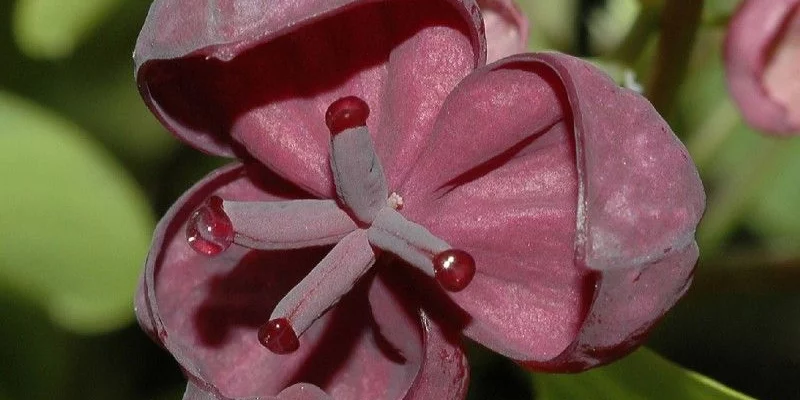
322, 288
362, 222
209, 230
357, 172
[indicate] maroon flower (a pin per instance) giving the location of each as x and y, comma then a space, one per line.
391, 196
762, 62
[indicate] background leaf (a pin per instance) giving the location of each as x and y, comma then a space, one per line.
642, 375
53, 28
775, 213
74, 228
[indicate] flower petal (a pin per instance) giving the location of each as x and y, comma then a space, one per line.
506, 28
206, 310
198, 392
231, 75
300, 391
761, 58
563, 206
303, 391
443, 372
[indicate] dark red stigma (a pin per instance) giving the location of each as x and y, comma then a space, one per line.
454, 269
345, 113
209, 230
278, 336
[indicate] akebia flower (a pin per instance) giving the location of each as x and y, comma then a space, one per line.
393, 193
762, 61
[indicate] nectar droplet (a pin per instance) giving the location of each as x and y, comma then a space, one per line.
278, 336
345, 113
454, 269
209, 230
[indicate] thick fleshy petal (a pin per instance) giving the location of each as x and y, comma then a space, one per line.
563, 207
227, 75
207, 310
762, 60
300, 391
444, 372
506, 28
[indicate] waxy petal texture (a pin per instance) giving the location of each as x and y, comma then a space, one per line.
444, 373
575, 199
762, 61
226, 75
206, 311
300, 391
571, 209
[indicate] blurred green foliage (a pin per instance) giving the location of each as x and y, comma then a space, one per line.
75, 225
54, 28
85, 168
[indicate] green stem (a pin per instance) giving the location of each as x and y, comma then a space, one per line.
632, 46
679, 24
704, 142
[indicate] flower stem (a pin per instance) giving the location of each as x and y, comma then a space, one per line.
680, 21
631, 47
704, 142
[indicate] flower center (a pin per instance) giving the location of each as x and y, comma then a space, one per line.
361, 223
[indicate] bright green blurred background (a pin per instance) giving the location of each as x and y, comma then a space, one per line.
85, 171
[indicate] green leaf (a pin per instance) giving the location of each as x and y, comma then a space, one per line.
74, 228
775, 210
52, 29
642, 375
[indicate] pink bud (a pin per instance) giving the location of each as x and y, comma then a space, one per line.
762, 61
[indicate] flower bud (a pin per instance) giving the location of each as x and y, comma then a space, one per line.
762, 62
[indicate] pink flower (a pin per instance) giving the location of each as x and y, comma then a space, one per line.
762, 62
506, 28
394, 193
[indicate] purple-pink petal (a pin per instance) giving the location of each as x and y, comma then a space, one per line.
241, 79
573, 208
444, 373
762, 55
299, 391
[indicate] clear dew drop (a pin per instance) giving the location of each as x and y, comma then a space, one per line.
209, 230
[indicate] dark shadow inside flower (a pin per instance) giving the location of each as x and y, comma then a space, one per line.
268, 181
245, 296
347, 323
209, 95
402, 279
